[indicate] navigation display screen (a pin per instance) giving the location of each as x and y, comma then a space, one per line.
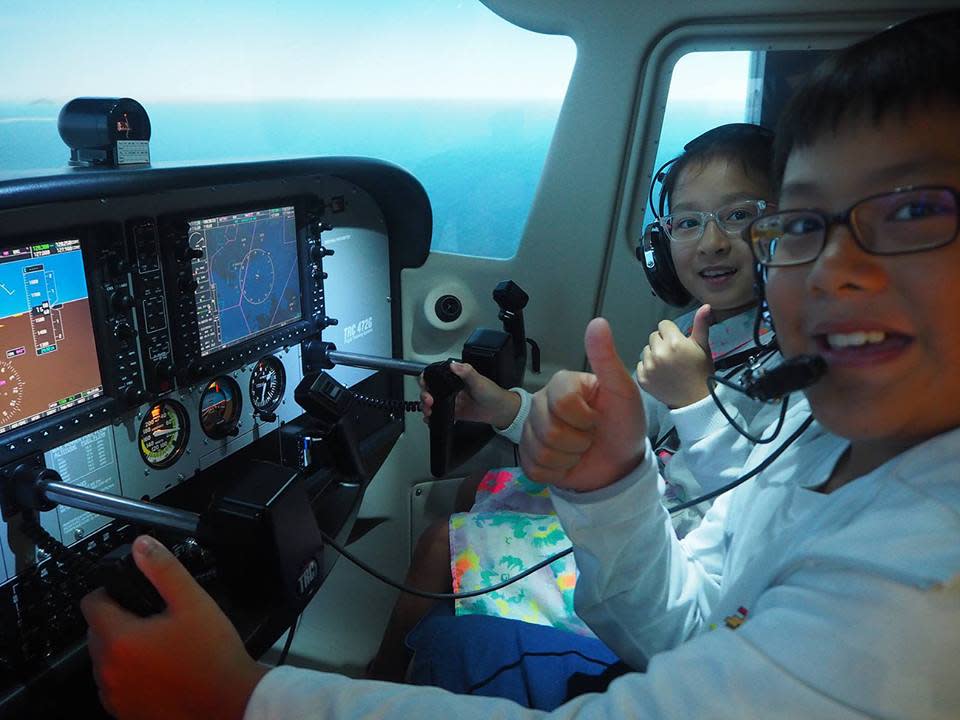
48, 356
248, 279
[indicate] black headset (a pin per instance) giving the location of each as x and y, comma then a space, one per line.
653, 250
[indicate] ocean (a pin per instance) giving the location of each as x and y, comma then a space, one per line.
479, 161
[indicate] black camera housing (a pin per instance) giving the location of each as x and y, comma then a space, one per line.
105, 132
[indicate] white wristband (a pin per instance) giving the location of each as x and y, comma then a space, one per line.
514, 430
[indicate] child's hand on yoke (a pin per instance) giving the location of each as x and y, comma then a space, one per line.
482, 400
586, 431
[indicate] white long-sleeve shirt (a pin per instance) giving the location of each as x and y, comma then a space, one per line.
845, 605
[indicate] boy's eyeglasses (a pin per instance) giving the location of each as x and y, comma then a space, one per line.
688, 226
895, 223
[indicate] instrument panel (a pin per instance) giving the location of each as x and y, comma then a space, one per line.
152, 330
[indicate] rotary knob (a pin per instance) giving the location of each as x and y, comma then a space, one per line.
187, 253
318, 252
117, 265
124, 331
121, 302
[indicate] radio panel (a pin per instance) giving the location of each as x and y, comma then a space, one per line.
151, 304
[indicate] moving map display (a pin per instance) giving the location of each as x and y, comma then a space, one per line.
248, 279
48, 356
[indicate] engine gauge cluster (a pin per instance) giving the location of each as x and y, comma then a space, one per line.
218, 409
163, 434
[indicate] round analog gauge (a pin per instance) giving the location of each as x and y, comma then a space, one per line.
163, 434
220, 407
267, 383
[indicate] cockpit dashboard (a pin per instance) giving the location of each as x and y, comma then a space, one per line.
153, 325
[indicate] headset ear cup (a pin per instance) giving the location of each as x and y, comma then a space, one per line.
654, 254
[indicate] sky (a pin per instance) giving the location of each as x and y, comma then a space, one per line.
257, 49
279, 49
710, 76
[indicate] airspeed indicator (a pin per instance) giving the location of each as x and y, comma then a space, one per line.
163, 434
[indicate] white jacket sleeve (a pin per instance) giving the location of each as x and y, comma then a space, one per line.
712, 449
896, 659
640, 589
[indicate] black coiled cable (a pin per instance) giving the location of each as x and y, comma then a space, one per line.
70, 559
387, 404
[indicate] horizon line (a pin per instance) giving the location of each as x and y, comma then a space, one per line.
228, 98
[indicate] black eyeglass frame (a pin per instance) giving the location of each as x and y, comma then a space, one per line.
845, 218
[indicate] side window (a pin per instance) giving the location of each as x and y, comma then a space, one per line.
458, 96
707, 89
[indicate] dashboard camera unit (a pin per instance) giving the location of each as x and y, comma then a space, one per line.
105, 132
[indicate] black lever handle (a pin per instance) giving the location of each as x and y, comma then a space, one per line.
124, 582
443, 385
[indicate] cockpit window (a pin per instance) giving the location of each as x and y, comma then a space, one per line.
450, 91
707, 89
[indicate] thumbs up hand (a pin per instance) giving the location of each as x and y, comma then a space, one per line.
674, 368
586, 430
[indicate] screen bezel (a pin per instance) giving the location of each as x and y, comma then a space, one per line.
51, 430
176, 228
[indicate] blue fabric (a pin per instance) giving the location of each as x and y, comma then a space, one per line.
500, 657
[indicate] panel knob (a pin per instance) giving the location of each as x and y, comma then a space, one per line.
187, 253
124, 331
117, 265
121, 302
318, 252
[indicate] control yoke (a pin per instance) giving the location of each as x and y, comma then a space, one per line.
500, 355
261, 530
